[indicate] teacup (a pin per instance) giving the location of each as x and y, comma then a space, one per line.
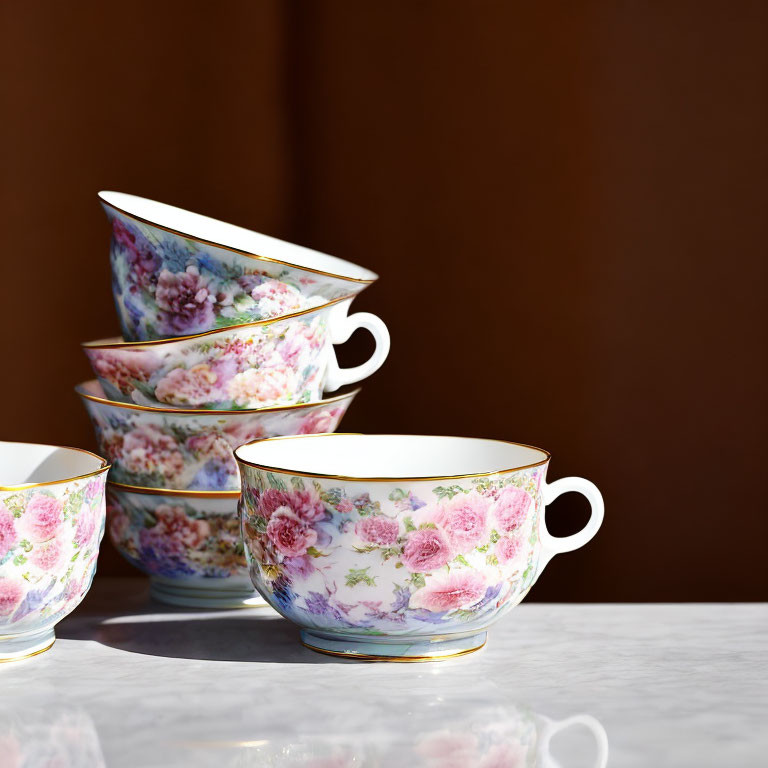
192, 449
177, 273
259, 365
51, 523
187, 542
399, 546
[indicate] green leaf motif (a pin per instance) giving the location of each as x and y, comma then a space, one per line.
74, 503
427, 525
461, 559
297, 483
19, 560
360, 576
408, 523
276, 482
397, 494
365, 550
418, 580
494, 536
314, 552
492, 560
15, 504
259, 524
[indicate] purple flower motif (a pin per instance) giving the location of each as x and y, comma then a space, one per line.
33, 600
402, 596
163, 555
431, 617
415, 503
299, 567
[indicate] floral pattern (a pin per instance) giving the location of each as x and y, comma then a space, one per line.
176, 537
166, 286
49, 541
277, 363
194, 451
383, 558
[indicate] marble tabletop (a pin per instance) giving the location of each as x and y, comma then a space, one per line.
134, 683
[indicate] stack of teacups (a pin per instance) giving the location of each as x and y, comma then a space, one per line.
227, 337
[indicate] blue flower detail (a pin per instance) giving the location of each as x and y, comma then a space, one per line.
282, 593
176, 256
212, 476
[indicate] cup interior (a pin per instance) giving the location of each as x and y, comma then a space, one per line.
24, 463
384, 457
231, 236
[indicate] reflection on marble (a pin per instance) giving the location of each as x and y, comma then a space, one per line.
48, 738
149, 685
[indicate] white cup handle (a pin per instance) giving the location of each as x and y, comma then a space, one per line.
341, 327
554, 545
552, 728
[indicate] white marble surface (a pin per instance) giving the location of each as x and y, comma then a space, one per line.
133, 683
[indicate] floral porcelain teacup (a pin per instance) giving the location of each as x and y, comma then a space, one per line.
192, 449
51, 523
177, 273
188, 542
399, 546
259, 365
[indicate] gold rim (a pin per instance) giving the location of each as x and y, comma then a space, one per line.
283, 470
204, 411
172, 491
398, 659
105, 465
361, 280
29, 655
107, 344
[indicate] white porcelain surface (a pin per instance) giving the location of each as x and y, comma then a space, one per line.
674, 686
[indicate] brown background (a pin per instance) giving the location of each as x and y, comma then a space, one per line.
566, 203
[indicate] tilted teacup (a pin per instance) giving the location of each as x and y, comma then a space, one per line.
258, 365
176, 273
192, 449
51, 523
399, 546
187, 542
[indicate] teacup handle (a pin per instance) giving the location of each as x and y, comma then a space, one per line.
341, 327
554, 545
552, 728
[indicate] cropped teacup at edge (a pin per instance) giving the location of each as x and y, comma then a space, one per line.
399, 547
52, 512
175, 273
255, 365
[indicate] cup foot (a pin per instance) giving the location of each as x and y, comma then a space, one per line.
392, 649
18, 647
196, 595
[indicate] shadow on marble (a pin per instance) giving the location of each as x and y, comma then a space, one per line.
182, 634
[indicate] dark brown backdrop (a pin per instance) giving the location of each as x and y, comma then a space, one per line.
565, 202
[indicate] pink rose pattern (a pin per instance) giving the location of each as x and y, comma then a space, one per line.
191, 452
250, 367
167, 286
49, 541
411, 561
